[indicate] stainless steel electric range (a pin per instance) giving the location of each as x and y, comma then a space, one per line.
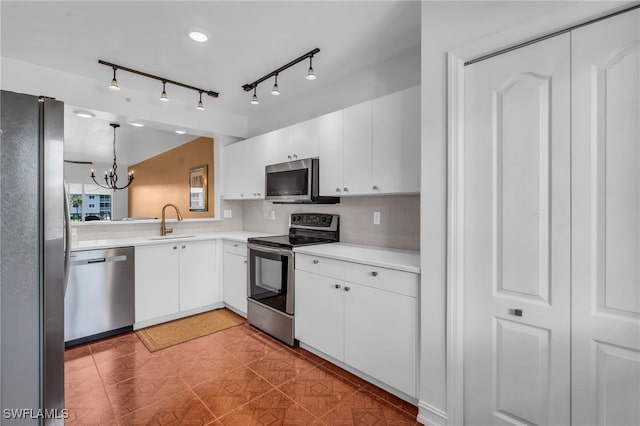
271, 277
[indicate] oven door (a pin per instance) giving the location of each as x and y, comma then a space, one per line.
270, 280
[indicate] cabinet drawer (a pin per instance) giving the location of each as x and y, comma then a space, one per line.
400, 282
235, 247
321, 265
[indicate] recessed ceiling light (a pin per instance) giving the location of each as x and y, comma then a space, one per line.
181, 132
136, 124
198, 36
84, 114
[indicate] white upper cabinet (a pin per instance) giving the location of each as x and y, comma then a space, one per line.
369, 148
357, 150
396, 142
244, 163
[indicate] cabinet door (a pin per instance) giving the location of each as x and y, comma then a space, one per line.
198, 279
279, 146
235, 177
235, 282
357, 150
309, 137
330, 145
244, 169
605, 352
380, 335
156, 292
396, 142
320, 313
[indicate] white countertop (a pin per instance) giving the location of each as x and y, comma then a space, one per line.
402, 260
240, 236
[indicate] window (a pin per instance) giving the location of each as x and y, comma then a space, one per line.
81, 210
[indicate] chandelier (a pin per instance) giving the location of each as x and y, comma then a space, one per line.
111, 176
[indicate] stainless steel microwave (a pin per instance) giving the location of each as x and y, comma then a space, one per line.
295, 182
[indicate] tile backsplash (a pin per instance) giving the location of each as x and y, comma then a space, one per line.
399, 219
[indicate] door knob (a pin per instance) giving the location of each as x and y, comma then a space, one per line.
347, 288
375, 187
374, 274
345, 189
337, 189
316, 261
337, 286
289, 157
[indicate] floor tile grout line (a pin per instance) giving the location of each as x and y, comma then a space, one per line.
296, 402
215, 418
104, 387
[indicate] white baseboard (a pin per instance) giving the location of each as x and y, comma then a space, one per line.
177, 315
431, 416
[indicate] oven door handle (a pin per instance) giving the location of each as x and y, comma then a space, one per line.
282, 252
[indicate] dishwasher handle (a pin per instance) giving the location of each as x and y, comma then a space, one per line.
120, 258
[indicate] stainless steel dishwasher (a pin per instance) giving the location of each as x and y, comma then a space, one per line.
99, 301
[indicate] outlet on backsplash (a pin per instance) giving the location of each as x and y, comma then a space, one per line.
273, 215
228, 214
376, 218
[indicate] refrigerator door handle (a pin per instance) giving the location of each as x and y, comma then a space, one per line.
67, 239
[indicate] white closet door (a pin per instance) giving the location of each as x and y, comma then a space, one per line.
516, 237
606, 222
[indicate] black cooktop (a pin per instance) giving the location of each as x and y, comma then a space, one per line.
305, 229
288, 241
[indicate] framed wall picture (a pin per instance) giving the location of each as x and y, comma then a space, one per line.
198, 189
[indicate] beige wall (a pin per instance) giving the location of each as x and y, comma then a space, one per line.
165, 179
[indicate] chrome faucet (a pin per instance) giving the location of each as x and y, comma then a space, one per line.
163, 226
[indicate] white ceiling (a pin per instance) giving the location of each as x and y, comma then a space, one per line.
246, 41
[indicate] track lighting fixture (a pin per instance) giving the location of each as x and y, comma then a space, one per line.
114, 83
276, 90
111, 176
200, 105
311, 75
163, 96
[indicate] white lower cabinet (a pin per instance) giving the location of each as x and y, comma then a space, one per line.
174, 278
371, 325
235, 276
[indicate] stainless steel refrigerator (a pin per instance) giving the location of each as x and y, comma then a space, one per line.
32, 260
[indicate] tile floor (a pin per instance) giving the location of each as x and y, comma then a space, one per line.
238, 376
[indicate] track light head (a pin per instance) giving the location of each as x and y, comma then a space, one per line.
275, 90
254, 99
114, 83
163, 96
200, 105
311, 75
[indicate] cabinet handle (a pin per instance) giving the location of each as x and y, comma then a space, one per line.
516, 312
258, 194
295, 156
175, 247
316, 261
235, 245
337, 189
374, 274
347, 288
245, 261
375, 187
289, 157
184, 247
337, 286
242, 195
345, 189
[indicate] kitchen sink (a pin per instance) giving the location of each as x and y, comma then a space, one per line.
170, 237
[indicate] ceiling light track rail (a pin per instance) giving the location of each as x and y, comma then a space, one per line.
162, 79
251, 86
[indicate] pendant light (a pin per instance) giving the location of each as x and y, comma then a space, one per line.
200, 105
111, 176
311, 75
114, 83
275, 91
254, 99
163, 96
